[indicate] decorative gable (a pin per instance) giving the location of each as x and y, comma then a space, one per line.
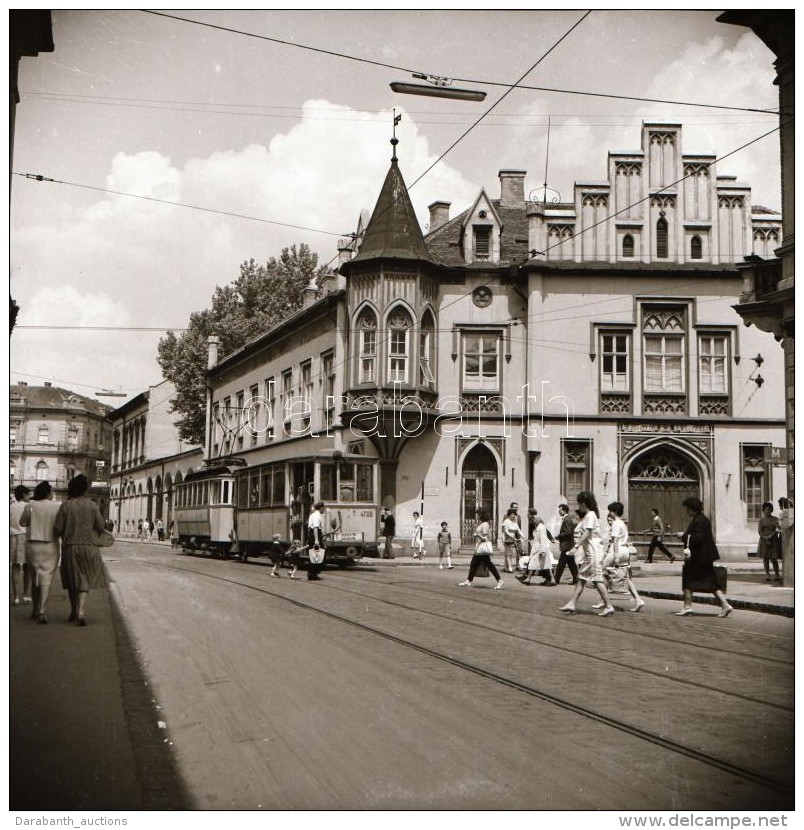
480, 233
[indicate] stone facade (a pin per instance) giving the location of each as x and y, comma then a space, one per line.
148, 460
525, 351
56, 434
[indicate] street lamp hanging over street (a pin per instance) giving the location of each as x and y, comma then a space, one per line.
439, 88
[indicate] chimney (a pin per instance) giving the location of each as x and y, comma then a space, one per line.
345, 250
439, 214
512, 188
309, 295
213, 341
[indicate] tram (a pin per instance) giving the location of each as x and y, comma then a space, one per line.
230, 509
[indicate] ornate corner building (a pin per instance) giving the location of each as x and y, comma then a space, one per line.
56, 434
523, 351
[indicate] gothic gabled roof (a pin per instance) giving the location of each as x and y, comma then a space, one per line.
393, 230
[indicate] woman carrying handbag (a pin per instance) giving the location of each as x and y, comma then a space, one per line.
482, 554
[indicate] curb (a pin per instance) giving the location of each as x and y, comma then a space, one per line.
737, 604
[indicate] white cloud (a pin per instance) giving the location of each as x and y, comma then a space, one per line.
118, 259
707, 73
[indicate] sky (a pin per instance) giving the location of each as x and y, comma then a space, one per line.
283, 136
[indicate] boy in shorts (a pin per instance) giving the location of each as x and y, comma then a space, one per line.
444, 546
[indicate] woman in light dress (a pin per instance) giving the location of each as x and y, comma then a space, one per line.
588, 552
42, 545
616, 561
541, 554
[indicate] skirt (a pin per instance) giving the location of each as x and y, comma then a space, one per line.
43, 557
590, 564
702, 578
16, 547
82, 568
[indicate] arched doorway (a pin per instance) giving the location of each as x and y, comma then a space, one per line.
661, 477
478, 490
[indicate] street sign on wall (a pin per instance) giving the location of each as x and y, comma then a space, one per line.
776, 456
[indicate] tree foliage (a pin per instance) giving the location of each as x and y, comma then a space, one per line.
260, 297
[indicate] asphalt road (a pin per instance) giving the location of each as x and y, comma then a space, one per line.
393, 688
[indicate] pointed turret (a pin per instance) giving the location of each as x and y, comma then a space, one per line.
393, 230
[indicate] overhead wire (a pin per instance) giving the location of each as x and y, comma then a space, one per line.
476, 81
41, 178
511, 87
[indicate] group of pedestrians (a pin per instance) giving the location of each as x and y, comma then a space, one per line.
148, 527
598, 556
46, 535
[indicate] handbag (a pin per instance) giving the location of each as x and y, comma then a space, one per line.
316, 555
484, 548
105, 539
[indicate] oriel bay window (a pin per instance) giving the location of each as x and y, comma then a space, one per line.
399, 329
481, 361
426, 344
367, 347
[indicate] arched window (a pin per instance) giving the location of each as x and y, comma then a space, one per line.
661, 238
696, 248
41, 471
70, 473
367, 347
628, 245
426, 351
399, 325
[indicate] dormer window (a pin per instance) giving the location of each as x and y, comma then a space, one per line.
482, 241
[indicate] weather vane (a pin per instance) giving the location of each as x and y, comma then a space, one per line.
395, 140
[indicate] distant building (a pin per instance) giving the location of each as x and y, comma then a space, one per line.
525, 351
148, 459
56, 434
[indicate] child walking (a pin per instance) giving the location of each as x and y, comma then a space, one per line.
294, 557
444, 546
277, 555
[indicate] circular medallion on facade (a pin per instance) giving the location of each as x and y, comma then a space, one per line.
481, 296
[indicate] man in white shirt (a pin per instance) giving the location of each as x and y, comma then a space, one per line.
315, 538
16, 545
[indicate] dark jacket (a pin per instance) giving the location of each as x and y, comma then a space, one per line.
389, 526
566, 537
699, 539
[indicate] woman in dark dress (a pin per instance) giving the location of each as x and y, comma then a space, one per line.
78, 523
698, 572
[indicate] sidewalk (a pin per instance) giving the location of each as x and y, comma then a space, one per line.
747, 588
83, 732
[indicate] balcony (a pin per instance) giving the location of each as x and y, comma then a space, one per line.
767, 300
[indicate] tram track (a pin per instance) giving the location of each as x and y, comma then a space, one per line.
660, 741
566, 649
595, 624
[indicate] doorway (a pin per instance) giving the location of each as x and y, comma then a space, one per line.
478, 491
662, 478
